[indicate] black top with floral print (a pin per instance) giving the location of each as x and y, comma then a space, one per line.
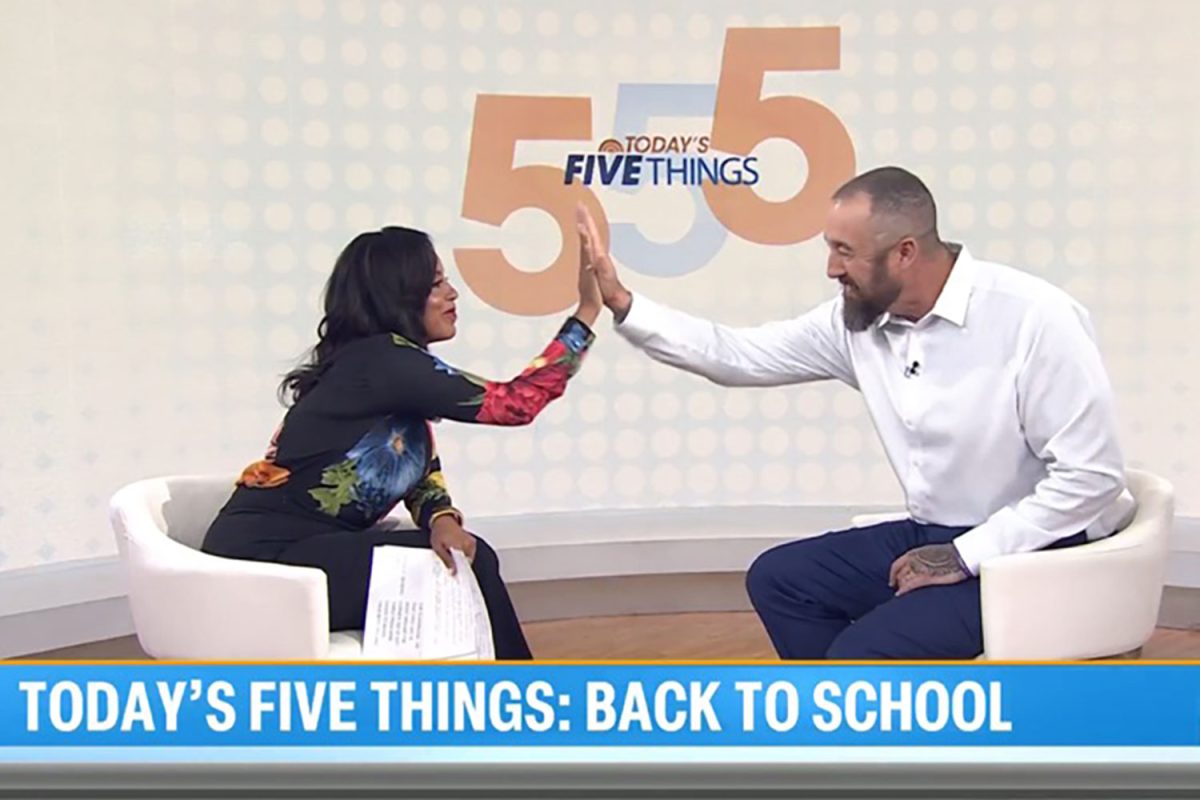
361, 440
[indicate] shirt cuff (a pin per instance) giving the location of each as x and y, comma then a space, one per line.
1003, 533
978, 545
644, 318
575, 335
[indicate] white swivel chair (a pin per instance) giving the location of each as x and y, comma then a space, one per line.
190, 605
1095, 600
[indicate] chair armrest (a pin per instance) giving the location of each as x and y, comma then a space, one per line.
191, 605
1092, 600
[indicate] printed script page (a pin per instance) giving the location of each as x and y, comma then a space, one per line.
417, 610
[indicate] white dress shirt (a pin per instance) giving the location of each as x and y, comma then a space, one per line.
994, 409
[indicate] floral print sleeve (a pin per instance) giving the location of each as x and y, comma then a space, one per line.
361, 441
419, 382
430, 499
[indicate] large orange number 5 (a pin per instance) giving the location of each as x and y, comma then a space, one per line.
742, 119
494, 190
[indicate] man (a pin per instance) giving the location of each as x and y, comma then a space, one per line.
988, 393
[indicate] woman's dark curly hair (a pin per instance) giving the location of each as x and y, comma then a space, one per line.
379, 284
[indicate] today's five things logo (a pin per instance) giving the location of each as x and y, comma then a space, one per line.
679, 160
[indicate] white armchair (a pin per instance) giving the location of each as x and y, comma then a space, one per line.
188, 604
1095, 600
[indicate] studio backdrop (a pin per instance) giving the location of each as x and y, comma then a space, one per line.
178, 178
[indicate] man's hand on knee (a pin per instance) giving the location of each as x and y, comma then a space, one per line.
931, 565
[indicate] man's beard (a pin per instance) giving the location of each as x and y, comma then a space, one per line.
861, 310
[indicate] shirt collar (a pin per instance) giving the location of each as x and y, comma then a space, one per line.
951, 304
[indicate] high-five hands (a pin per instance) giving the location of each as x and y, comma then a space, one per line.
590, 299
594, 259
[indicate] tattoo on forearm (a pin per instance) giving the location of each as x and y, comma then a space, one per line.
935, 560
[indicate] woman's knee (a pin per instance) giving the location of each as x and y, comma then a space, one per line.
486, 559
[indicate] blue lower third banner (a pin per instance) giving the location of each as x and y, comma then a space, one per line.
474, 705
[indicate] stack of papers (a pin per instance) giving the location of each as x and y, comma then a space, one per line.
418, 611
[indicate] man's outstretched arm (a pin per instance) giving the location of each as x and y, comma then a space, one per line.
808, 348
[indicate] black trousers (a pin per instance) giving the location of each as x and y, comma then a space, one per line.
345, 557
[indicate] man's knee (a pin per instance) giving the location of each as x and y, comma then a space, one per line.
762, 579
780, 571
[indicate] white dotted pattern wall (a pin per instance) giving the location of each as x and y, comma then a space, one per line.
180, 176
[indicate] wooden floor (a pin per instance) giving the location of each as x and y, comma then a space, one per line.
727, 636
736, 635
724, 636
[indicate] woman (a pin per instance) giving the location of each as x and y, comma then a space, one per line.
357, 439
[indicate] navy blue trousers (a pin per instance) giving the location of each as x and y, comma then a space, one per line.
828, 597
